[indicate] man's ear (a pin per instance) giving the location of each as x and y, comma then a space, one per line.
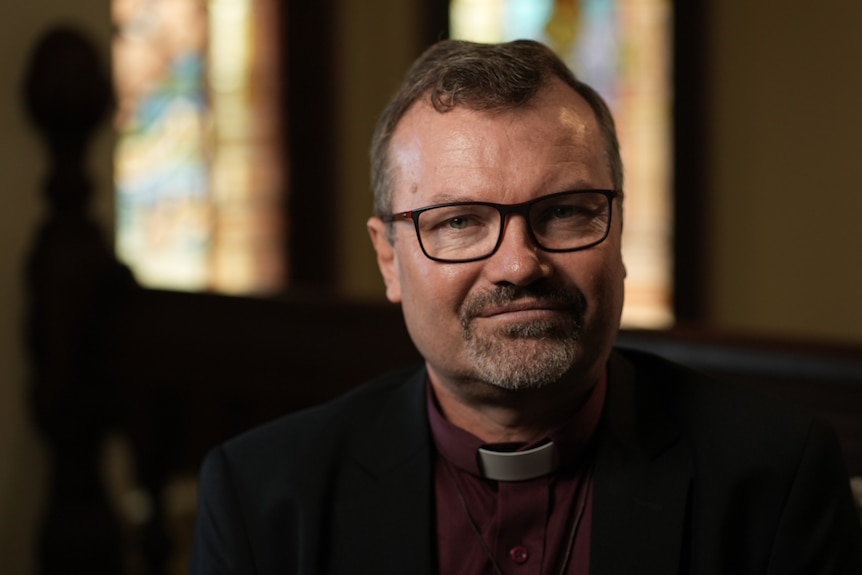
387, 260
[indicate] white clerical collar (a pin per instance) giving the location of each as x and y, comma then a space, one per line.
518, 465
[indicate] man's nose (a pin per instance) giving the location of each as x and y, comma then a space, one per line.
518, 260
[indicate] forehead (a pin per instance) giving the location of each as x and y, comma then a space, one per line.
551, 144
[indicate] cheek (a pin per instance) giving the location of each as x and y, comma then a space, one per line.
613, 288
599, 276
432, 297
434, 284
613, 269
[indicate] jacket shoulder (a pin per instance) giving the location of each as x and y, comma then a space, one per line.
322, 425
706, 403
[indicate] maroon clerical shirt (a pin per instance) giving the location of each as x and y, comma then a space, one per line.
530, 527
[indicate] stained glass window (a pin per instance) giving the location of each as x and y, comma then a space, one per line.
197, 110
621, 48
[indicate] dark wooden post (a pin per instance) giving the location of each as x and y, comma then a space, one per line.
72, 277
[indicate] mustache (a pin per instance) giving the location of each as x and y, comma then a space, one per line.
541, 293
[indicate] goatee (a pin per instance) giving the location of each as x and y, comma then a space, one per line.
530, 354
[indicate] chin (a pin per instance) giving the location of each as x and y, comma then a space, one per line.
522, 363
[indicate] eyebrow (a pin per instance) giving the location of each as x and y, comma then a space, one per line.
450, 197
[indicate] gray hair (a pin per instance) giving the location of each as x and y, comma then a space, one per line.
481, 77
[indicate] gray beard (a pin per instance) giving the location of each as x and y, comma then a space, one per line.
528, 355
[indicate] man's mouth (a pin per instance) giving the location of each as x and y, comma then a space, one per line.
521, 310
516, 305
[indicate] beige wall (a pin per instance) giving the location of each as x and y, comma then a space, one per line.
785, 115
787, 168
370, 70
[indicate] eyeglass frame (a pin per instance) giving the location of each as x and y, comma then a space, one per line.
505, 210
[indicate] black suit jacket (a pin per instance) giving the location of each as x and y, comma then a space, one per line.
691, 477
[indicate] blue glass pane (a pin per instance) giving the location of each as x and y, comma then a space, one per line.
527, 18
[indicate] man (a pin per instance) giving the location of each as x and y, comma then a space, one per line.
525, 444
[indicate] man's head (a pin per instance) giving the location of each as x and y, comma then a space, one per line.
480, 77
521, 295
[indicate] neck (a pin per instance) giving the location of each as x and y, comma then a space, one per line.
497, 415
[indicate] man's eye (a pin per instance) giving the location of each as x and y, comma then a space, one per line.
458, 223
571, 213
460, 219
557, 213
560, 212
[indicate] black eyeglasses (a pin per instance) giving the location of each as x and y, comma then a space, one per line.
469, 231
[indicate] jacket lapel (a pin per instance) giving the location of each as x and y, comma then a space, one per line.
388, 519
642, 481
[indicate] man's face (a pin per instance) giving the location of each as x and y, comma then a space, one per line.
522, 318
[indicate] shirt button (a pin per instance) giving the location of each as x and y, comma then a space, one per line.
519, 554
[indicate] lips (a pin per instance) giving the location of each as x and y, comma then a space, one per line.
540, 299
519, 307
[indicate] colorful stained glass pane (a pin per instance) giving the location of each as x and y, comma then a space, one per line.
190, 213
